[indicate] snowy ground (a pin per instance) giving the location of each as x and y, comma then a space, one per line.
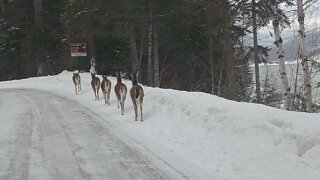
198, 135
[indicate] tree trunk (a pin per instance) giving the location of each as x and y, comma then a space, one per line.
134, 53
140, 56
220, 80
295, 86
150, 63
38, 22
255, 51
38, 12
2, 8
210, 43
304, 58
211, 54
156, 57
228, 54
211, 64
282, 68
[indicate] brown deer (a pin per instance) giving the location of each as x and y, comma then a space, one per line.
95, 84
106, 89
121, 92
76, 81
137, 94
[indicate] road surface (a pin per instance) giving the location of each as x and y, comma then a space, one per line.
47, 137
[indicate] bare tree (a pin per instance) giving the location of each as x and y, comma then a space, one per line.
278, 42
301, 5
255, 50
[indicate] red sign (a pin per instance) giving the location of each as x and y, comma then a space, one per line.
78, 49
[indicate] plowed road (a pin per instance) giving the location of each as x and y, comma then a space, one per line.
47, 137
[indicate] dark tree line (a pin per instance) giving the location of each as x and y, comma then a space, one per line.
182, 44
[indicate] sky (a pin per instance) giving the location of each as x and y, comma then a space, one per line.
199, 135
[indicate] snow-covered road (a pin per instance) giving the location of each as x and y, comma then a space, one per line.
45, 136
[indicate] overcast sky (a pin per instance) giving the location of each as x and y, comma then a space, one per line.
312, 21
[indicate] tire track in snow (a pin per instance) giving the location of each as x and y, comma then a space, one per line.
60, 139
131, 161
18, 149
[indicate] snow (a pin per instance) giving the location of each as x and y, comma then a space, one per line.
200, 135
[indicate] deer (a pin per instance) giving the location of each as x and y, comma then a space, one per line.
95, 84
137, 95
76, 81
106, 89
121, 92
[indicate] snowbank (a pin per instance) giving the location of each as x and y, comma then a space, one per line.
222, 138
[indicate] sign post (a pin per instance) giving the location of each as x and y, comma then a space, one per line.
78, 50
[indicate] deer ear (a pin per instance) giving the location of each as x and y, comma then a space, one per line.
137, 73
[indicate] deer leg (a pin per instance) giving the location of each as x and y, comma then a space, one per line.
122, 107
135, 107
75, 88
108, 98
97, 95
118, 101
97, 88
141, 111
135, 112
105, 98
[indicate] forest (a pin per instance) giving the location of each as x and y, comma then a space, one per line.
192, 45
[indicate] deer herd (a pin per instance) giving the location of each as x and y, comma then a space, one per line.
120, 89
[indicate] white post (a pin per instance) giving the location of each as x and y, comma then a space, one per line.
93, 66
